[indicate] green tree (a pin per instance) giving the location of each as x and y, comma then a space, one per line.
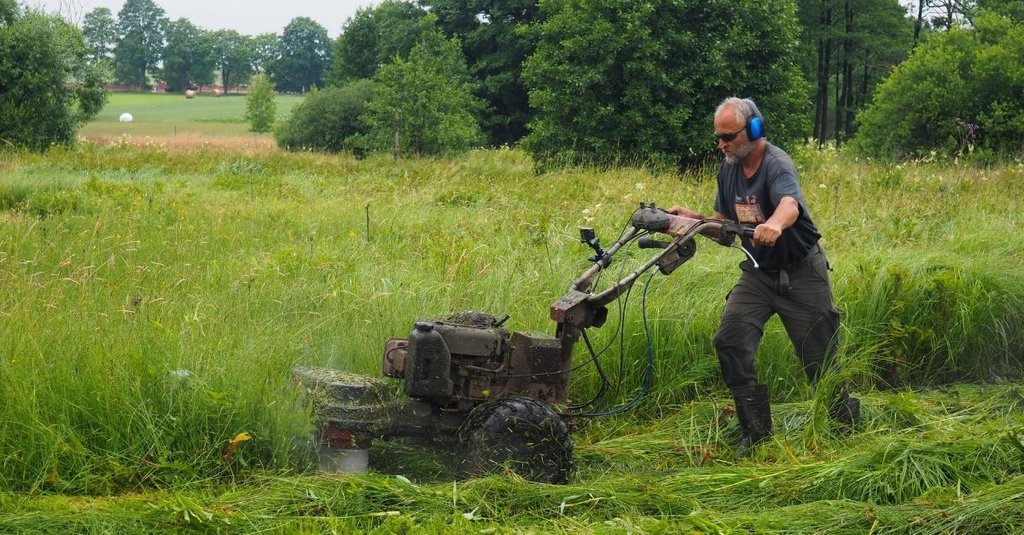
305, 56
424, 104
328, 119
373, 37
187, 57
140, 26
264, 51
496, 42
1014, 9
639, 81
8, 11
232, 57
47, 86
260, 107
847, 47
100, 31
959, 91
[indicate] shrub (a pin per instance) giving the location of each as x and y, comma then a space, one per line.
960, 91
46, 88
327, 118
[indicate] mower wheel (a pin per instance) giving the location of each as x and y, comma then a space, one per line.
520, 434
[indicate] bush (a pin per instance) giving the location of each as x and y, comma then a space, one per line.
959, 92
46, 88
327, 118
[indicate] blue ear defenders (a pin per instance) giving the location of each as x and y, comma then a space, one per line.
755, 124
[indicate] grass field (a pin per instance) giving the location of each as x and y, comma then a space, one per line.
174, 121
156, 297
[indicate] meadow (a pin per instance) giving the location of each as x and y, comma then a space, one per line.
157, 295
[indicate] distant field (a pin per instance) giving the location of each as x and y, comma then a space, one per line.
172, 115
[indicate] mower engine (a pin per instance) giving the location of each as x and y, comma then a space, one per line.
470, 357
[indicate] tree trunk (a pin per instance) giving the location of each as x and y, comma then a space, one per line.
824, 69
918, 22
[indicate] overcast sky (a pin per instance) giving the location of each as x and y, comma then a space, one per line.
249, 17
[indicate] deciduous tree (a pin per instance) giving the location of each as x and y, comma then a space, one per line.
959, 91
232, 57
305, 56
264, 50
639, 81
260, 107
374, 37
140, 26
47, 88
100, 31
496, 42
424, 104
187, 58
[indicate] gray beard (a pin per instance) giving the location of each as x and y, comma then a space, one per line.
741, 154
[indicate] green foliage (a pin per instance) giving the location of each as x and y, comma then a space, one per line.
265, 51
140, 27
424, 104
260, 108
639, 82
496, 42
327, 119
373, 37
960, 91
187, 58
847, 48
9, 11
100, 31
46, 88
305, 56
231, 56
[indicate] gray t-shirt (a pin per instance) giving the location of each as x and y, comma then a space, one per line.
753, 201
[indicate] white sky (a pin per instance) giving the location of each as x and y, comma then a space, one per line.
249, 17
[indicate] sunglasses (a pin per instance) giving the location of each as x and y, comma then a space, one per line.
727, 137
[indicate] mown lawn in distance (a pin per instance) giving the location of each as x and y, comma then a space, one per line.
165, 115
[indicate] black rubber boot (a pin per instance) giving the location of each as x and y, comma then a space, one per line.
845, 411
755, 414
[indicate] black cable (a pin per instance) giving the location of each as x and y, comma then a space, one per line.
600, 371
648, 378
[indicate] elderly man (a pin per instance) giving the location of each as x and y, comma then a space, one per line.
757, 186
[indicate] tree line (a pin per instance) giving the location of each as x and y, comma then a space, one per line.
604, 81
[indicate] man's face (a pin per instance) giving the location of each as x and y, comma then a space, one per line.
737, 148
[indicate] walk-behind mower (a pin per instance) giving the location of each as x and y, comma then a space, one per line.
501, 396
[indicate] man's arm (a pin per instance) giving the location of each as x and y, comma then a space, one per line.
680, 211
786, 213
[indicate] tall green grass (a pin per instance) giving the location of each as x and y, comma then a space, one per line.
155, 301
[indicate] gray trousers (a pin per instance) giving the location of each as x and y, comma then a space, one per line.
802, 297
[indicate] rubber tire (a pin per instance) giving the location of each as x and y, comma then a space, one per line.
519, 434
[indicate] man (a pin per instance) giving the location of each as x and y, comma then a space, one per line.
757, 186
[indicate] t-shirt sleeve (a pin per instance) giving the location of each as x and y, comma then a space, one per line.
781, 174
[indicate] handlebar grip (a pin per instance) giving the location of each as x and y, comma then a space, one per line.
648, 243
747, 232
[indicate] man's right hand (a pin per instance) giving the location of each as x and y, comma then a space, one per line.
679, 210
